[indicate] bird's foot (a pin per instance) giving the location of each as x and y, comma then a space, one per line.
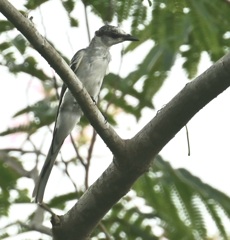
94, 101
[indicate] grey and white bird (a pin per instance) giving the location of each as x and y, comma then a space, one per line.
90, 65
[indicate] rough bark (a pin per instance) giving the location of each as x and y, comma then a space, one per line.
131, 157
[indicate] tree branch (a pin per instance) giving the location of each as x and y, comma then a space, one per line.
118, 178
175, 115
132, 157
36, 227
26, 27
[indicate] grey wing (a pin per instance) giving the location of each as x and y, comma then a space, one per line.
76, 60
74, 64
63, 90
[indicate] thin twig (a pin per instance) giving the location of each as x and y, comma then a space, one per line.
87, 22
68, 174
42, 21
89, 157
68, 40
38, 228
187, 136
90, 151
22, 151
34, 146
77, 152
103, 228
46, 208
31, 227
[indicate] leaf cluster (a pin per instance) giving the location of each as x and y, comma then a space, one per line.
172, 30
175, 201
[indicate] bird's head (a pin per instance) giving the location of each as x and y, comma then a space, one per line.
111, 35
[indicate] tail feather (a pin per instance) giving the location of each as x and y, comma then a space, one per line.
69, 114
40, 186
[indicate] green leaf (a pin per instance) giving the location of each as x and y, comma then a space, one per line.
28, 66
125, 87
32, 4
8, 180
8, 176
6, 26
61, 201
192, 59
175, 196
103, 9
23, 196
4, 46
20, 43
74, 22
69, 5
127, 223
44, 113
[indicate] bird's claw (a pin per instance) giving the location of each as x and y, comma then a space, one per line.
94, 101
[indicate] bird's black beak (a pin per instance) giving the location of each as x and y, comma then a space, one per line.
128, 37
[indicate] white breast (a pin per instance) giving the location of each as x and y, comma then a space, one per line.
92, 71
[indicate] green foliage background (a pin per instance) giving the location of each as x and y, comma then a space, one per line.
173, 201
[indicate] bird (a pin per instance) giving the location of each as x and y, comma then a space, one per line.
90, 66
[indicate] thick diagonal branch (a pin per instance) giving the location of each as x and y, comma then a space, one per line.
26, 27
172, 117
116, 181
132, 156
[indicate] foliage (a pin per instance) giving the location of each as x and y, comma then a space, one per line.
175, 29
174, 201
182, 202
8, 181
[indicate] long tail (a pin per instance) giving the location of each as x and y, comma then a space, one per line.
68, 115
40, 186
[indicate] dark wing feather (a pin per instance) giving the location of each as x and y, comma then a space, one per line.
76, 60
74, 64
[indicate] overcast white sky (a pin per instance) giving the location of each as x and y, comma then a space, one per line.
209, 130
